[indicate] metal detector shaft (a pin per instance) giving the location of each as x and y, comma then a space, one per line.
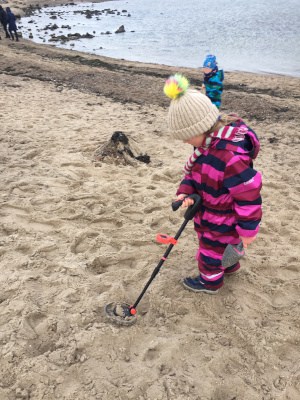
159, 265
189, 214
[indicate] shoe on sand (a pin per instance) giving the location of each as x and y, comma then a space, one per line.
196, 285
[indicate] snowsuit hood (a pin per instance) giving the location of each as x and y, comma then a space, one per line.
245, 142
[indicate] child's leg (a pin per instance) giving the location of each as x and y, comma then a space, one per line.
209, 256
5, 30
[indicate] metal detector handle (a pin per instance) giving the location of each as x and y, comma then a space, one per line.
178, 203
192, 210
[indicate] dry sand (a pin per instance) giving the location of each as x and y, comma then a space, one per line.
76, 235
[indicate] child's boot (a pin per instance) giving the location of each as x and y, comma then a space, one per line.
198, 285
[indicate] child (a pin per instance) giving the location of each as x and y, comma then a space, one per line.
220, 170
11, 20
3, 20
213, 80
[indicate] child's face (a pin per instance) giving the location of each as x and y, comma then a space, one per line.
206, 70
195, 141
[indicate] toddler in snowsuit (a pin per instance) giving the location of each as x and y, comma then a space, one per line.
221, 171
213, 80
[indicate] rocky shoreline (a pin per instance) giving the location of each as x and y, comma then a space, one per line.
43, 32
26, 8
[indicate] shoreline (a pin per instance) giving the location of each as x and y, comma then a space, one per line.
24, 5
47, 63
32, 6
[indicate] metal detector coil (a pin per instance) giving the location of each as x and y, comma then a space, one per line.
121, 313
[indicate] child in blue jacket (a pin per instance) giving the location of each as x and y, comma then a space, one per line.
213, 80
11, 20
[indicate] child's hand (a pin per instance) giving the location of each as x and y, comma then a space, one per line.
247, 240
186, 201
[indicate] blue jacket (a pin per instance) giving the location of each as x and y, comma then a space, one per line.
11, 20
3, 16
214, 86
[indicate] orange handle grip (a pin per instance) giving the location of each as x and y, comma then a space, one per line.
165, 239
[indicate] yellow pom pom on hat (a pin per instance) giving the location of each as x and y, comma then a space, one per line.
176, 85
191, 113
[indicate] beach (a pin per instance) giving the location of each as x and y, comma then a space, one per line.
78, 232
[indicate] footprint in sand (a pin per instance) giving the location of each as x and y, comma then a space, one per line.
31, 154
35, 328
8, 376
153, 352
286, 297
150, 210
97, 266
7, 209
164, 177
82, 242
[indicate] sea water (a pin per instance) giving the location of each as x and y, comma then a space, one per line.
245, 35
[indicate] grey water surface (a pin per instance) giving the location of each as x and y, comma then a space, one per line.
245, 35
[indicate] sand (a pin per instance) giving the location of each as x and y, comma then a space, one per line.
77, 234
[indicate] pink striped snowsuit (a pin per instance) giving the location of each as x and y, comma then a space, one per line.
231, 203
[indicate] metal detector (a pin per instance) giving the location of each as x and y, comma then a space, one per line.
125, 314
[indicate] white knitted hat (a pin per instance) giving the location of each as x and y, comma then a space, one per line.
191, 113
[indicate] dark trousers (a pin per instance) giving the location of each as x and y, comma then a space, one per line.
5, 29
12, 35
